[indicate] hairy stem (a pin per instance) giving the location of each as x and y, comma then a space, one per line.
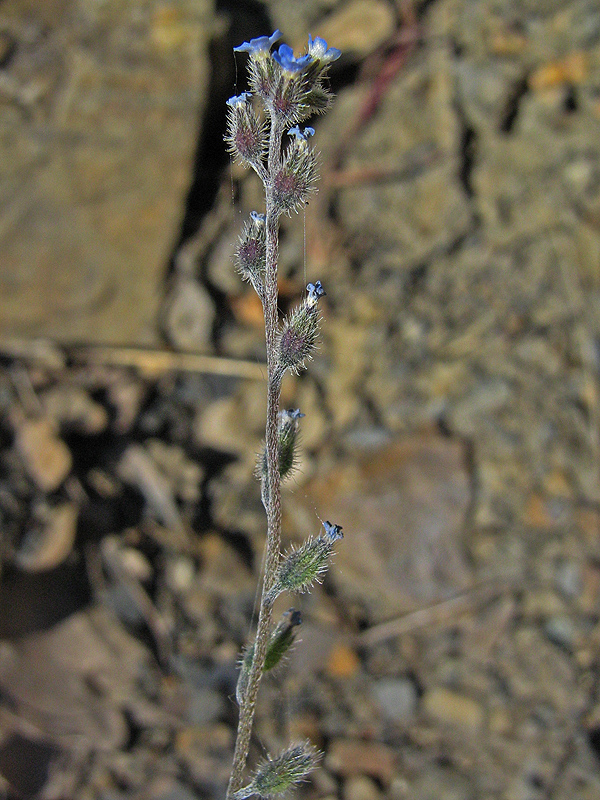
273, 504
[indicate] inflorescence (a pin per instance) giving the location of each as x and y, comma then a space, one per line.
265, 132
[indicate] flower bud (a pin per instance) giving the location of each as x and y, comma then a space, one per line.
281, 773
250, 256
281, 639
246, 135
299, 332
305, 565
295, 179
287, 437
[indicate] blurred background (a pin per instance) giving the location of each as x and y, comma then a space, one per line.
452, 415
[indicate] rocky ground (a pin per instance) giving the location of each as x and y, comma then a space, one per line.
452, 422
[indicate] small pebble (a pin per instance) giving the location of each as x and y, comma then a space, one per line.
205, 706
361, 788
47, 459
561, 630
453, 708
342, 662
356, 757
180, 573
135, 563
396, 698
569, 580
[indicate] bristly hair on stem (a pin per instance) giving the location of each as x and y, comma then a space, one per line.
285, 91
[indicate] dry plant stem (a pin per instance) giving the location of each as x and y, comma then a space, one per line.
273, 508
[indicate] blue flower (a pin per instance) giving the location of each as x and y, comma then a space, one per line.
239, 99
301, 135
258, 218
294, 413
285, 58
315, 290
333, 532
317, 48
262, 44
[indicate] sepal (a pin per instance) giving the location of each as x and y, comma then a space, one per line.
281, 640
301, 567
287, 438
299, 332
294, 181
251, 253
246, 134
278, 774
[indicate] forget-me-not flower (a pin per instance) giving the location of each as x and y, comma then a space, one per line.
301, 135
239, 99
293, 413
333, 532
315, 290
260, 45
317, 48
288, 63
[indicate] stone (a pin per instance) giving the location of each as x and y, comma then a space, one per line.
436, 782
205, 705
569, 580
223, 425
402, 508
396, 698
45, 549
74, 681
98, 146
189, 315
561, 630
453, 708
180, 572
403, 222
343, 661
348, 757
358, 27
46, 457
73, 407
361, 788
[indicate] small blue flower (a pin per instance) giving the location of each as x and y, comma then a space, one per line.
301, 135
262, 44
315, 290
317, 48
294, 413
333, 532
285, 58
239, 99
256, 217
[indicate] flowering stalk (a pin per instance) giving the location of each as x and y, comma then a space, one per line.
290, 90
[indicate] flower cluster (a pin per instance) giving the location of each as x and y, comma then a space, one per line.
291, 87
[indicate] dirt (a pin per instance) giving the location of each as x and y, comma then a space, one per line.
451, 427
